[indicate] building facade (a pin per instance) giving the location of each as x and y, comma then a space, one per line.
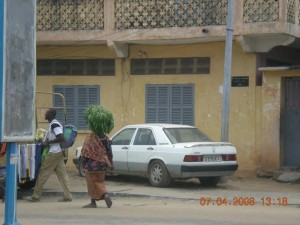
163, 61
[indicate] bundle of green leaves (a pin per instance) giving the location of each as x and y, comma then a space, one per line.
99, 119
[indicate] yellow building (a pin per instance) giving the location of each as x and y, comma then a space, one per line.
163, 61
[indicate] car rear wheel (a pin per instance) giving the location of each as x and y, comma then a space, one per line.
209, 181
158, 174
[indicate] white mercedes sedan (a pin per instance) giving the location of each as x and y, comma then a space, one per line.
163, 152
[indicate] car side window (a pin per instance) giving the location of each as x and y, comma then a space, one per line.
124, 137
144, 137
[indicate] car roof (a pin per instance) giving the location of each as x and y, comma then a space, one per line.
162, 125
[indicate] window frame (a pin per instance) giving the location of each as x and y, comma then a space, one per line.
180, 66
67, 67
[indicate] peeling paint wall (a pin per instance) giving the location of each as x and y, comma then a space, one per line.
124, 95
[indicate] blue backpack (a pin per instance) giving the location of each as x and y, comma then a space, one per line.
70, 134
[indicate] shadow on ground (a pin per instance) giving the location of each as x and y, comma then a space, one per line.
192, 183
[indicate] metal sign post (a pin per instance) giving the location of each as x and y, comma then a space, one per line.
1, 57
227, 73
17, 96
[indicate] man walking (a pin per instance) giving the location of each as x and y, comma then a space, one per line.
54, 160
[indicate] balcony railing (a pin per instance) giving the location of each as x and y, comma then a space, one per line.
163, 14
261, 11
54, 15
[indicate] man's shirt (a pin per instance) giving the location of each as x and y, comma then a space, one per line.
55, 128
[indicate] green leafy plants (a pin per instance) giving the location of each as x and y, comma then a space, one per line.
99, 119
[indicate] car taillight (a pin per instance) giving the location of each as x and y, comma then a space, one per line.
193, 158
229, 157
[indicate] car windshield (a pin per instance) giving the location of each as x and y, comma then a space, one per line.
183, 135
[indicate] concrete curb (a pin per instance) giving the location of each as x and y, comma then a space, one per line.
51, 194
81, 195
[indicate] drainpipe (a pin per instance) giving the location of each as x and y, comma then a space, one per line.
227, 72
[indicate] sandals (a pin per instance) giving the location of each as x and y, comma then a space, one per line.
31, 199
107, 201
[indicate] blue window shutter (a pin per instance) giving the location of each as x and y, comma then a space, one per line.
94, 95
163, 104
157, 104
188, 117
58, 102
83, 103
87, 95
77, 98
70, 93
170, 104
151, 104
176, 104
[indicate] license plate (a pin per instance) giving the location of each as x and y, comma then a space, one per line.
212, 158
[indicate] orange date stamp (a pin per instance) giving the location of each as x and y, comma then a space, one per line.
243, 201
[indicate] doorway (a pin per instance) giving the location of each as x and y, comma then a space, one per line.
291, 122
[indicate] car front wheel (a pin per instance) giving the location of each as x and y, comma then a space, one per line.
158, 174
209, 181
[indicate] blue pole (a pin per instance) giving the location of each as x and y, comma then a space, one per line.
10, 185
1, 59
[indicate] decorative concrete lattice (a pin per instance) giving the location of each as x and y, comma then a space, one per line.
261, 11
70, 15
291, 11
142, 14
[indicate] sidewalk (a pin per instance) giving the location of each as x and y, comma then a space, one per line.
235, 187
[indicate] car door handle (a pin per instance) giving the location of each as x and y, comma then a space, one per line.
150, 148
126, 148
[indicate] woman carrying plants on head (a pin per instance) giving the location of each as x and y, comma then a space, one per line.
97, 154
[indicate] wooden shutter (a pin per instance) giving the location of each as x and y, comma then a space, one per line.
151, 104
157, 104
176, 104
58, 103
70, 92
87, 95
170, 104
188, 117
182, 104
163, 104
78, 98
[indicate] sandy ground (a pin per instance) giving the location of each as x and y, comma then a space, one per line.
136, 202
141, 211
